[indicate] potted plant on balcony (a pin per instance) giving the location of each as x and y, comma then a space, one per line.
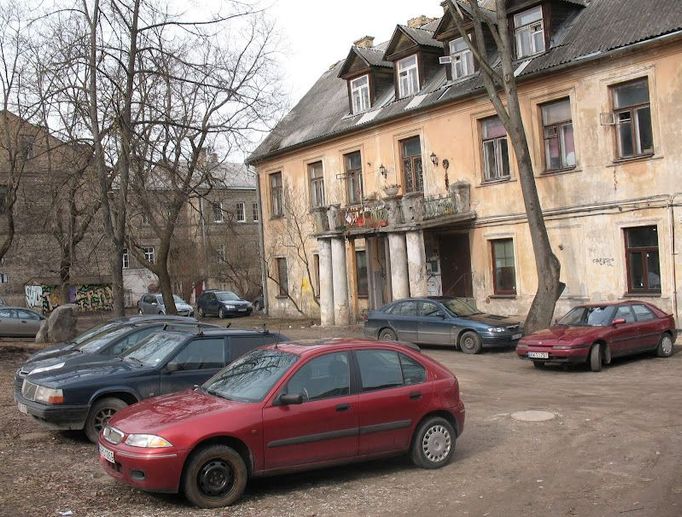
391, 190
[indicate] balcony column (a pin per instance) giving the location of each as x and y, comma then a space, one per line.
326, 283
416, 263
400, 285
340, 282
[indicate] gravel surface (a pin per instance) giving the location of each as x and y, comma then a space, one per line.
614, 448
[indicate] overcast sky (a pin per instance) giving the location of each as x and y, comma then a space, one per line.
317, 33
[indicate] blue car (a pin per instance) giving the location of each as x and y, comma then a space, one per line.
438, 320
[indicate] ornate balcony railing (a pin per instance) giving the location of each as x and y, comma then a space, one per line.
372, 215
435, 207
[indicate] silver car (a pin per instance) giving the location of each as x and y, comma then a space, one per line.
19, 322
152, 303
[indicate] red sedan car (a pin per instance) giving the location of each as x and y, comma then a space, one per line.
287, 407
595, 333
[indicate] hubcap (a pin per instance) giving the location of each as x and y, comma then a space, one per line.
667, 345
102, 417
215, 478
436, 443
468, 343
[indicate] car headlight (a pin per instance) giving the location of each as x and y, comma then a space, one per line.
49, 395
47, 368
497, 329
150, 441
229, 307
563, 347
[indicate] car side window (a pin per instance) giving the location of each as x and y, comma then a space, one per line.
379, 369
643, 313
6, 313
405, 309
430, 310
413, 372
239, 345
322, 377
199, 354
26, 315
624, 312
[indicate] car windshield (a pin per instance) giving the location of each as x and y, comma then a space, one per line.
227, 296
177, 299
155, 349
459, 307
94, 331
592, 316
98, 342
251, 377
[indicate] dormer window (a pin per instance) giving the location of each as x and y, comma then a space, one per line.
359, 92
408, 76
461, 59
529, 32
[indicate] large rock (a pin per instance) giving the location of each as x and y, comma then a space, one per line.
61, 325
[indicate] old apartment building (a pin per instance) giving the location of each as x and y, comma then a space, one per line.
401, 179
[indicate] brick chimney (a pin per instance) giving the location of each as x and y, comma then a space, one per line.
365, 42
419, 21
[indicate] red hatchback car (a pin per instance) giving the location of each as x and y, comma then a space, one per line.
595, 333
287, 407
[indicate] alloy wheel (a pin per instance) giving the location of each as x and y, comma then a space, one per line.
436, 443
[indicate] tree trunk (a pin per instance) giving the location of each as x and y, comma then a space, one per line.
166, 290
65, 276
117, 291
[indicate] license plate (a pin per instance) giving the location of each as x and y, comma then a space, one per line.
516, 336
22, 408
242, 310
106, 454
538, 355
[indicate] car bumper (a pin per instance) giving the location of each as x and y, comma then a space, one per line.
154, 470
58, 417
499, 341
238, 312
573, 355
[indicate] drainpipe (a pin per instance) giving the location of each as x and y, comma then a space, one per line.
671, 222
261, 243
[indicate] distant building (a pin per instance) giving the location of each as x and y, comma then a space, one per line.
401, 180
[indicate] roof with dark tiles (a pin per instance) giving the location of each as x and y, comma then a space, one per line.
600, 27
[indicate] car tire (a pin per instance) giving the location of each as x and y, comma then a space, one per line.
539, 364
665, 346
433, 443
470, 343
221, 313
387, 335
99, 415
214, 476
595, 358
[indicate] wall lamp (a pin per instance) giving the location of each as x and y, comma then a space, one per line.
434, 159
382, 170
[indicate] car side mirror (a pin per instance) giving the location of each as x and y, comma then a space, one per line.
618, 321
286, 399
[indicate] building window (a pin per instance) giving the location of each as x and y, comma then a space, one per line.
529, 32
632, 113
282, 277
276, 195
220, 253
359, 94
411, 157
361, 273
495, 149
241, 213
504, 274
149, 254
641, 256
316, 177
353, 165
217, 209
557, 127
125, 258
408, 76
461, 59
254, 212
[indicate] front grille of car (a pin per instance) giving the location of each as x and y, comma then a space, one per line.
112, 435
28, 390
513, 328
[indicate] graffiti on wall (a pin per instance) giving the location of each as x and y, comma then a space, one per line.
88, 297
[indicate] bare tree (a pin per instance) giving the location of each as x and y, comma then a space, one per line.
497, 73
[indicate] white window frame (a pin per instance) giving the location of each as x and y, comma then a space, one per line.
241, 212
408, 76
316, 184
255, 212
532, 28
463, 57
149, 254
493, 146
359, 94
218, 216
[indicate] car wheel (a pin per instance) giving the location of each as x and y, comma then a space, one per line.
387, 335
470, 343
434, 443
214, 476
99, 415
595, 358
665, 346
539, 364
221, 313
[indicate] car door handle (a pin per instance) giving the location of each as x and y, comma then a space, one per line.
343, 407
415, 395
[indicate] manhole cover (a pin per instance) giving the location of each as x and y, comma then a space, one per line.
533, 416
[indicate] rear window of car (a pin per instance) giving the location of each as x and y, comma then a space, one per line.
643, 313
403, 309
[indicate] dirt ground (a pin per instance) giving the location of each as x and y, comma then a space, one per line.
614, 448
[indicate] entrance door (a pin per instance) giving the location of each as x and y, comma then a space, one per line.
455, 262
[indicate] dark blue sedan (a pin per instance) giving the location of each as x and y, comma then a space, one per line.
437, 320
